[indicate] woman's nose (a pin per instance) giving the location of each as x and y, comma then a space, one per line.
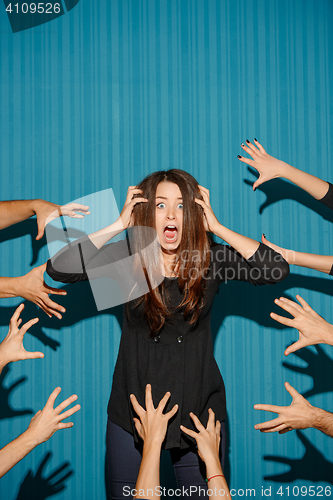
170, 215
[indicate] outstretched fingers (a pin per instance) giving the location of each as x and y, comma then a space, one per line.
136, 406
65, 403
197, 422
15, 318
69, 412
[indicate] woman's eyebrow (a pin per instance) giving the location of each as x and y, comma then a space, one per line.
165, 198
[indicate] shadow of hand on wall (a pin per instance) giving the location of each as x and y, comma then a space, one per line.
256, 303
318, 366
80, 305
29, 227
278, 190
303, 468
6, 410
37, 487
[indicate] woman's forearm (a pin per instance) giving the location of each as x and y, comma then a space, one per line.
99, 238
313, 185
244, 245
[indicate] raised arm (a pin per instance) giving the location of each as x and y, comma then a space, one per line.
70, 264
270, 168
244, 245
151, 426
299, 415
42, 426
258, 264
12, 212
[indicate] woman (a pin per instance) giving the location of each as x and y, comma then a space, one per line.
166, 339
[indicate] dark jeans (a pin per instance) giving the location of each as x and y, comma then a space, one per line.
124, 458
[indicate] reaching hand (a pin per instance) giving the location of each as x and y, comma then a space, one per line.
286, 254
211, 221
313, 329
299, 415
208, 439
32, 287
267, 166
11, 348
48, 420
47, 212
152, 423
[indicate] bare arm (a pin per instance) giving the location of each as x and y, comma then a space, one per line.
270, 168
42, 426
244, 245
299, 415
151, 426
322, 263
208, 442
12, 212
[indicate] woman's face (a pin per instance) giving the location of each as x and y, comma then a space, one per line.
169, 215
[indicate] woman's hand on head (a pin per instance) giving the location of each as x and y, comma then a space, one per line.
152, 422
267, 166
126, 213
210, 220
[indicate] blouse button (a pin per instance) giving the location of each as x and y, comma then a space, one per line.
180, 339
157, 338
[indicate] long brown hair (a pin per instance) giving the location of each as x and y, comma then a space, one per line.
194, 245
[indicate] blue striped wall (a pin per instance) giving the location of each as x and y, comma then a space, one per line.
113, 90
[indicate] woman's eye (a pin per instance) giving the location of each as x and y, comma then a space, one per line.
160, 205
180, 205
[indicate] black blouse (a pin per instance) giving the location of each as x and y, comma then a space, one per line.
180, 358
328, 201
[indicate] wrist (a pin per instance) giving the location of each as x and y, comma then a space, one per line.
152, 446
213, 466
36, 204
12, 286
31, 438
328, 334
284, 170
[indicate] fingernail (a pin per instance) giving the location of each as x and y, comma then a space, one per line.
247, 141
238, 156
63, 310
256, 140
242, 144
264, 235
